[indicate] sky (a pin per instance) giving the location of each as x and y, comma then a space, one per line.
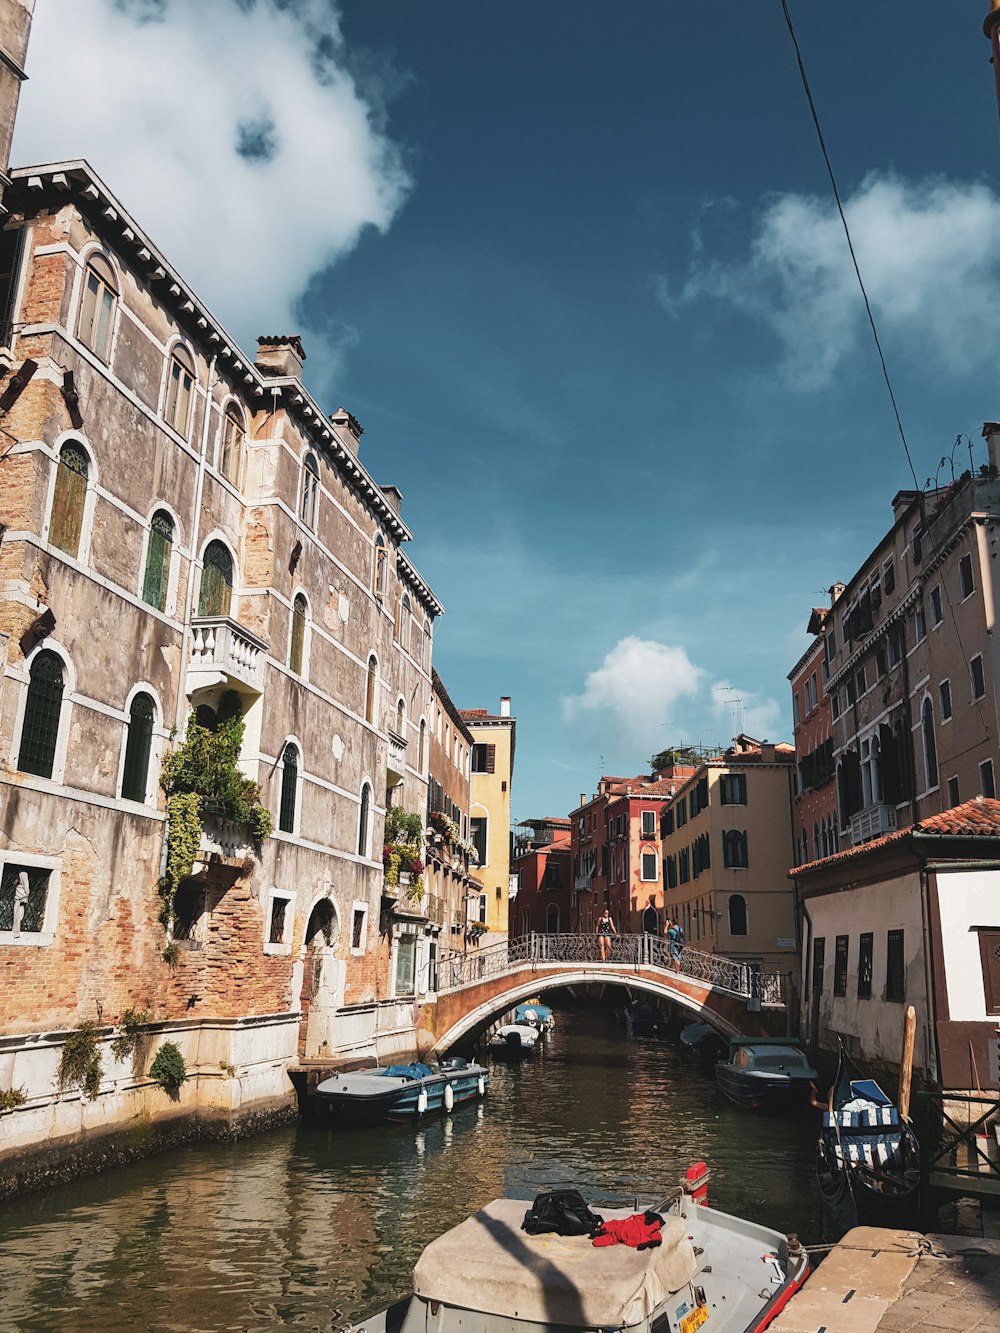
576, 268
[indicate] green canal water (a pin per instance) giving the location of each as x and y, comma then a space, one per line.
310, 1227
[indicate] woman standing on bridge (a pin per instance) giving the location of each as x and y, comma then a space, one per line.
605, 929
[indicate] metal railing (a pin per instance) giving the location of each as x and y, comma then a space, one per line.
958, 1135
623, 951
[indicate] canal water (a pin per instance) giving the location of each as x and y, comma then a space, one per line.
310, 1226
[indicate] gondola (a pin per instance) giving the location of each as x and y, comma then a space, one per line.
868, 1160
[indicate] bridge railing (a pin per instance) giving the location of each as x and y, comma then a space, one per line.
624, 951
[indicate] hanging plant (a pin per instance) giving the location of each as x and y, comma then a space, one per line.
392, 864
202, 775
129, 1037
80, 1062
416, 890
402, 827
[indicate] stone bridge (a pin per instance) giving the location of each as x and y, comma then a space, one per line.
476, 987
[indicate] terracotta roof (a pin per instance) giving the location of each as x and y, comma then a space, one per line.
978, 818
473, 712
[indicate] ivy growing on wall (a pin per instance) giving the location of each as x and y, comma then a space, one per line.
201, 776
80, 1063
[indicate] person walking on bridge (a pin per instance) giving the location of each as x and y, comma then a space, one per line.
605, 929
675, 939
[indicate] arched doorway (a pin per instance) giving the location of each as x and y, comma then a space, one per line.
650, 921
322, 981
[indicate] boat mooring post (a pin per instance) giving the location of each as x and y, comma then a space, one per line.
906, 1062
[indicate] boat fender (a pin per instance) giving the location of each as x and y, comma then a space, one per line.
696, 1182
422, 1101
449, 1096
481, 1086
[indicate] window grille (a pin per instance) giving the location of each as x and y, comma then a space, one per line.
23, 895
41, 716
157, 575
289, 786
216, 593
865, 951
138, 744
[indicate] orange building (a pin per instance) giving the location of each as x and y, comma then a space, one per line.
542, 863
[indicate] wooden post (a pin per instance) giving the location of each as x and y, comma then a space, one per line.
906, 1063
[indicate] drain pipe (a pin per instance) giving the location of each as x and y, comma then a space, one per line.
189, 597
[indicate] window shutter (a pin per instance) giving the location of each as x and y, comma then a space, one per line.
703, 794
491, 758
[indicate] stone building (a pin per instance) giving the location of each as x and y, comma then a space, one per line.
727, 846
188, 535
814, 809
449, 851
492, 772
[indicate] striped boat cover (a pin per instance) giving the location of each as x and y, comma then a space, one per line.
872, 1150
870, 1117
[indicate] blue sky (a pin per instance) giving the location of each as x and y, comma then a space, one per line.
576, 269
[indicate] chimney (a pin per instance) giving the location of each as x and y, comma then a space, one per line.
836, 591
394, 496
583, 798
991, 429
280, 354
505, 705
349, 428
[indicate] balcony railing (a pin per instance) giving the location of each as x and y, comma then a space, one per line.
397, 754
221, 651
872, 822
222, 840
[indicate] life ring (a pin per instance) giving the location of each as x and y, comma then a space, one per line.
481, 1086
422, 1101
449, 1096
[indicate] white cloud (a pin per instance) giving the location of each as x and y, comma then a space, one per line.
635, 688
231, 130
925, 255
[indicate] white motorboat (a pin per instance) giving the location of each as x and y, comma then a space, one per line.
487, 1275
513, 1040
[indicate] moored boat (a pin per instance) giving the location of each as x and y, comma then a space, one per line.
403, 1092
535, 1015
511, 1041
643, 1019
488, 1274
703, 1040
868, 1159
765, 1074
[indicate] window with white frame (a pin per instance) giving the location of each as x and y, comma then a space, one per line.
944, 697
310, 492
977, 676
279, 922
180, 387
136, 785
966, 581
69, 498
649, 873
97, 309
29, 900
406, 964
359, 928
43, 715
649, 823
231, 444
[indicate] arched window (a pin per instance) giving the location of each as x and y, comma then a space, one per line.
138, 745
289, 788
421, 745
401, 719
321, 924
930, 745
817, 852
737, 914
231, 444
296, 652
42, 710
379, 572
734, 849
364, 820
371, 689
403, 622
427, 644
156, 578
216, 593
97, 311
552, 919
69, 499
180, 383
310, 492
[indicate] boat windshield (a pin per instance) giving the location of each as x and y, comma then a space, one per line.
780, 1060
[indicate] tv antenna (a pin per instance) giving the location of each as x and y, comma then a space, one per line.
736, 708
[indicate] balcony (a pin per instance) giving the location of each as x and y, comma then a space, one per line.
224, 653
223, 841
872, 822
396, 764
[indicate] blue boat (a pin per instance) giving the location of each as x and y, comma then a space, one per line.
403, 1092
765, 1074
534, 1014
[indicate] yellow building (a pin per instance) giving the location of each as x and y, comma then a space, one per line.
492, 764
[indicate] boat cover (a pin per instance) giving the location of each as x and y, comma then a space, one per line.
488, 1264
417, 1070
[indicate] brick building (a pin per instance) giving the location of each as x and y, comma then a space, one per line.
543, 864
188, 535
814, 810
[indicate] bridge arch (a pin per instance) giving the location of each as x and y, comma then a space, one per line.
478, 1017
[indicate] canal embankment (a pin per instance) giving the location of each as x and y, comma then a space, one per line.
898, 1281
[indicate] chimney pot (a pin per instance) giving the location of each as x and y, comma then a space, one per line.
394, 496
280, 354
504, 705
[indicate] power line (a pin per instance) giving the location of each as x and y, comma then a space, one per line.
847, 233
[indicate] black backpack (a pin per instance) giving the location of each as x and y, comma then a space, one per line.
563, 1211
